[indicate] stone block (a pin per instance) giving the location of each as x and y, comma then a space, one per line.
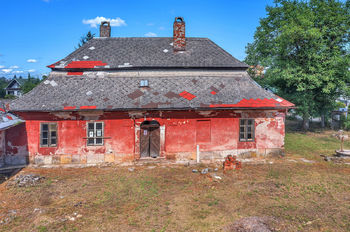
56, 159
66, 159
47, 159
274, 152
76, 159
95, 158
109, 158
83, 159
39, 159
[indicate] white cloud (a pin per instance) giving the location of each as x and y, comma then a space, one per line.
32, 61
2, 66
117, 22
150, 34
6, 70
31, 70
14, 66
17, 72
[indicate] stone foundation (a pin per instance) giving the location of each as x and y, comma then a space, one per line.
205, 157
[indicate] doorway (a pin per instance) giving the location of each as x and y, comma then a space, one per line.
150, 139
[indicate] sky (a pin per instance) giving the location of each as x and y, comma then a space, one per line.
37, 33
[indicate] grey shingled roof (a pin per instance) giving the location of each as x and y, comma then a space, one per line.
123, 53
122, 91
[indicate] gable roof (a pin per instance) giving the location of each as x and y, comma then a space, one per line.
136, 53
174, 90
19, 81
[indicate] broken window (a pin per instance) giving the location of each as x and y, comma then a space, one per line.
48, 134
95, 133
246, 129
144, 83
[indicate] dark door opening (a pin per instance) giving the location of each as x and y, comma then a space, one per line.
150, 139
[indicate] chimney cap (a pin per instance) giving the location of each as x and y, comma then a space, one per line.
179, 19
105, 22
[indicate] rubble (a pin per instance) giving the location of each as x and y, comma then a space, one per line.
26, 180
231, 163
251, 224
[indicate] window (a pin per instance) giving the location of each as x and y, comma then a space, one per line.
246, 129
48, 134
144, 83
95, 133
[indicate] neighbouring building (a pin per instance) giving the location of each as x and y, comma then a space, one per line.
15, 87
13, 143
125, 99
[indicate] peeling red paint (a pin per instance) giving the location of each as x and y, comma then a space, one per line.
69, 107
75, 73
87, 107
256, 103
85, 64
187, 95
180, 132
9, 117
1, 109
213, 92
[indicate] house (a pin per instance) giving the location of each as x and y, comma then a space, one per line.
13, 144
14, 87
125, 99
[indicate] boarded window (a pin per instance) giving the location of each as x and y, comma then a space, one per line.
203, 134
246, 129
95, 133
48, 134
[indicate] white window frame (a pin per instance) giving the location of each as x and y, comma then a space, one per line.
94, 134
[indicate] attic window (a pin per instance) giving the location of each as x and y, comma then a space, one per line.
144, 83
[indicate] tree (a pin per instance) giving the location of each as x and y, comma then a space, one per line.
85, 38
305, 45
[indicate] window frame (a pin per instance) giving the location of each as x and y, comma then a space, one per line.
49, 135
95, 137
245, 132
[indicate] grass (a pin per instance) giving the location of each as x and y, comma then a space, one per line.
301, 196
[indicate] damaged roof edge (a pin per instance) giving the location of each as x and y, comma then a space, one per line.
238, 68
162, 109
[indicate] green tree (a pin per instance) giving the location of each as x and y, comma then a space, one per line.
305, 45
85, 38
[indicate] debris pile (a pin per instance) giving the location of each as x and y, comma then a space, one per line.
27, 180
231, 163
251, 224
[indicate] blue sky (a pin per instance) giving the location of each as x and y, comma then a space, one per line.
36, 33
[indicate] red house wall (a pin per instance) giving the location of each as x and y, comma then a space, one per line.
182, 132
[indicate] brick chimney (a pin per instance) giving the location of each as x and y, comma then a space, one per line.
105, 29
179, 38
